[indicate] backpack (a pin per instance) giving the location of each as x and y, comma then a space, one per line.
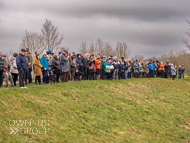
1, 64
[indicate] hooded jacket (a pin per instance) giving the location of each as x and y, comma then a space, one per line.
106, 65
13, 66
44, 63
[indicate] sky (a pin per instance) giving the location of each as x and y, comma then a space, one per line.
149, 27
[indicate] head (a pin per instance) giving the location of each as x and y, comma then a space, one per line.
179, 66
15, 55
37, 55
27, 49
23, 51
45, 55
25, 54
85, 56
130, 59
3, 57
65, 52
115, 58
92, 56
73, 53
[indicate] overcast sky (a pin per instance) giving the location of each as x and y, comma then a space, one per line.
149, 27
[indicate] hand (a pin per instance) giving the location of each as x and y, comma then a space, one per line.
21, 68
28, 64
6, 74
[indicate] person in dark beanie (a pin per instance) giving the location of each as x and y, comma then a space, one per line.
65, 65
1, 69
22, 67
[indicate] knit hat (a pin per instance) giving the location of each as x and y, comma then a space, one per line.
137, 60
44, 53
115, 57
49, 51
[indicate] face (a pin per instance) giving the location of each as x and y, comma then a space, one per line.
87, 56
45, 55
79, 56
25, 53
84, 56
3, 58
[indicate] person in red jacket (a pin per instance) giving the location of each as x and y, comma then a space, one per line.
97, 64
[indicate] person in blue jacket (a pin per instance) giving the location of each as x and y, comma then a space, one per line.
45, 68
22, 66
151, 68
107, 68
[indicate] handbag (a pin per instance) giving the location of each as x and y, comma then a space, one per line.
111, 67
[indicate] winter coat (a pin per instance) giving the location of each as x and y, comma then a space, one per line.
56, 64
84, 62
136, 67
152, 67
126, 66
173, 70
1, 64
37, 67
140, 68
13, 66
21, 62
98, 63
73, 66
166, 69
162, 67
121, 67
30, 60
116, 64
91, 65
65, 63
107, 65
180, 70
44, 63
130, 66
145, 68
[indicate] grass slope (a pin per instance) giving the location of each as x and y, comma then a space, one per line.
135, 110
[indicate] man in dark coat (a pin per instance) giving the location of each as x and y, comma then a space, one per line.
85, 64
22, 66
30, 60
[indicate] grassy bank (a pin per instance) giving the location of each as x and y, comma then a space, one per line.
135, 110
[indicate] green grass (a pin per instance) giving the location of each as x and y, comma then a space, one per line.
135, 110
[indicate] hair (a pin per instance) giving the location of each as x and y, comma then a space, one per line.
55, 56
15, 55
72, 58
37, 54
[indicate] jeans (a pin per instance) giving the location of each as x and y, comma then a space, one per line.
45, 76
38, 79
129, 74
183, 74
21, 74
1, 77
151, 73
29, 75
179, 76
126, 73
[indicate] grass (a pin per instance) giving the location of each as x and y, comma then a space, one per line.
135, 110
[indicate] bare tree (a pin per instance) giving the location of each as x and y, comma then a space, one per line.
32, 41
52, 38
108, 49
139, 57
186, 41
83, 49
122, 50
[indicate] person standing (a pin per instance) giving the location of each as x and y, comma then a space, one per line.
141, 69
183, 71
56, 66
1, 69
151, 68
126, 68
116, 68
180, 71
98, 69
13, 67
22, 67
85, 64
7, 74
45, 68
173, 71
136, 69
73, 68
107, 68
30, 60
129, 68
38, 69
65, 65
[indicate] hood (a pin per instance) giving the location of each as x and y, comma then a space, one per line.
12, 58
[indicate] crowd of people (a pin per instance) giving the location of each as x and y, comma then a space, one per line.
68, 66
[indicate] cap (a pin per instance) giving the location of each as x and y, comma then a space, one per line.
3, 55
23, 50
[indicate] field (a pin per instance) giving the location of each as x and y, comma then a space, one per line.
135, 110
